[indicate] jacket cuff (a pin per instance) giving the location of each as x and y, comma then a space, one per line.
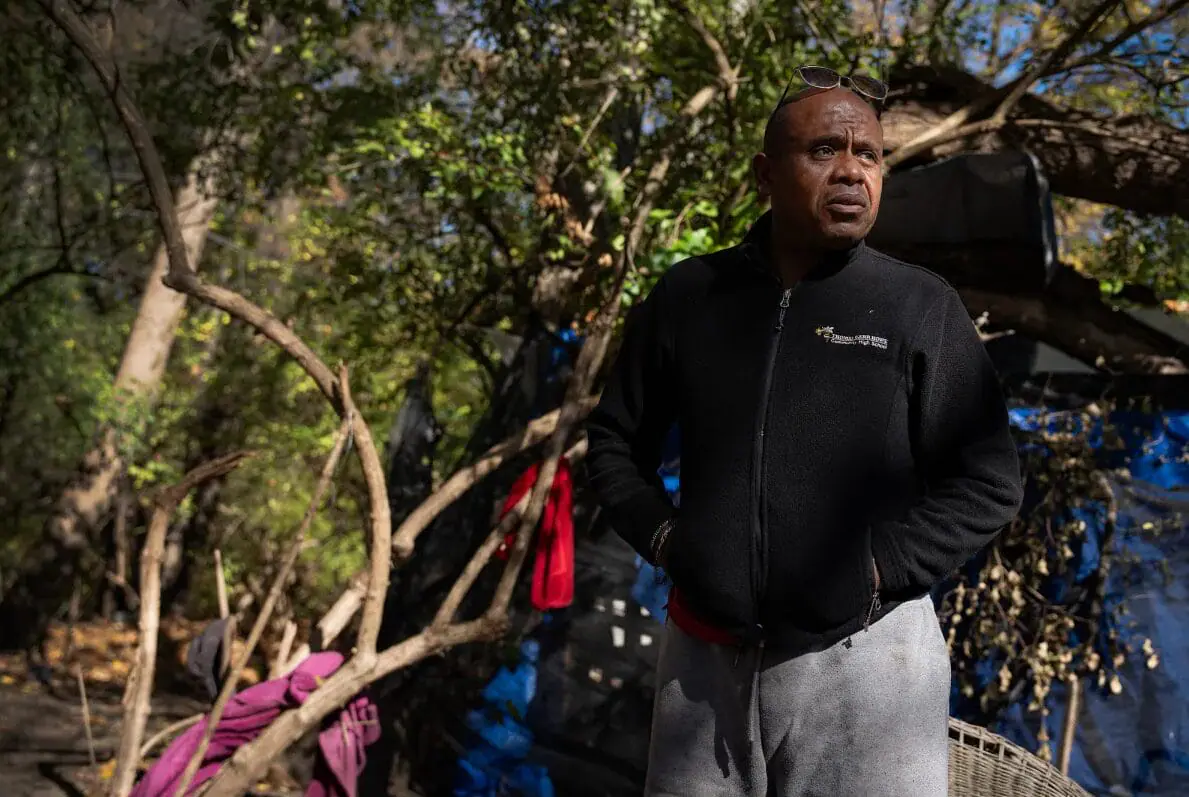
638, 518
893, 569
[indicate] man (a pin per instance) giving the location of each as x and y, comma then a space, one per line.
844, 447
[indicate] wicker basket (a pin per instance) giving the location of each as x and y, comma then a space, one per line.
984, 764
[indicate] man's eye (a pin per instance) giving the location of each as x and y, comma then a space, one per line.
823, 151
869, 155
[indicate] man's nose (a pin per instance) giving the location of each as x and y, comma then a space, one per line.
848, 170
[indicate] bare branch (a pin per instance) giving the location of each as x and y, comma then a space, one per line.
268, 325
462, 480
82, 693
168, 732
608, 100
458, 592
1134, 29
449, 608
134, 124
1055, 56
282, 654
958, 125
224, 613
138, 693
270, 602
381, 524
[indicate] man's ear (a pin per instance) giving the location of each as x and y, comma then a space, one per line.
761, 169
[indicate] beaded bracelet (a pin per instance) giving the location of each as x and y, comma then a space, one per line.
659, 538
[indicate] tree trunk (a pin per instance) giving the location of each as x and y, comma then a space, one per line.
88, 499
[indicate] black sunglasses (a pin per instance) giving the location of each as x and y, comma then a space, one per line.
822, 77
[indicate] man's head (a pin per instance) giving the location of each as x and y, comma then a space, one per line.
822, 167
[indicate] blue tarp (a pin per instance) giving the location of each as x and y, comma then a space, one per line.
494, 763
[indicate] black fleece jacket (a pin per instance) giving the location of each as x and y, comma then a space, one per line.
852, 419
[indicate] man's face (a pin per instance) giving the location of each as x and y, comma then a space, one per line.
825, 172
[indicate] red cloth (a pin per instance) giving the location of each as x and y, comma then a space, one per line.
684, 619
553, 570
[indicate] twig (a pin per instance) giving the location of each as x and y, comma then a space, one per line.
1071, 723
139, 690
224, 613
282, 654
604, 106
333, 622
167, 732
270, 602
82, 691
221, 586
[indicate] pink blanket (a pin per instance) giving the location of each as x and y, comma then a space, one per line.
340, 745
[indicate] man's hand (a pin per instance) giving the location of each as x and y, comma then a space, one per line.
875, 570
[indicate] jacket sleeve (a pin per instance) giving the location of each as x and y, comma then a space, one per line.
964, 452
627, 429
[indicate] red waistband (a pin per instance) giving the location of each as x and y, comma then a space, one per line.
684, 619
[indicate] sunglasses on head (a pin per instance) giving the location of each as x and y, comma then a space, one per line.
822, 77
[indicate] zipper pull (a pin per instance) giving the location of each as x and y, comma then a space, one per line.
784, 306
876, 605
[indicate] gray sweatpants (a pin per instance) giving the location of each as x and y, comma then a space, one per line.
867, 720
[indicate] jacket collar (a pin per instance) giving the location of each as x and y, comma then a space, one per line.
756, 245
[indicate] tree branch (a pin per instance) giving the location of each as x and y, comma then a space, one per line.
465, 478
479, 560
1108, 340
62, 267
958, 125
1108, 47
274, 595
727, 74
139, 690
1138, 162
1055, 56
134, 124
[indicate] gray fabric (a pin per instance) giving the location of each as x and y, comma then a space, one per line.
204, 657
866, 719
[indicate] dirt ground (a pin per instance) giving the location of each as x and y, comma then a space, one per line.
43, 740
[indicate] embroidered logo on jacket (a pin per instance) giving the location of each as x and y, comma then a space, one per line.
851, 340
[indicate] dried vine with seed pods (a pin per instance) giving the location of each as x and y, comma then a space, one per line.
1023, 610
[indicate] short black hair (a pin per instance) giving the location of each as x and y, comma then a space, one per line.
774, 142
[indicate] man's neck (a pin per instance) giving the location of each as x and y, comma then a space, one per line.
790, 261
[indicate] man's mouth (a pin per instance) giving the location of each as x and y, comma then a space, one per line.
847, 203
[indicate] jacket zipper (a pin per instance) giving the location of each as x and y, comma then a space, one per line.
760, 543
